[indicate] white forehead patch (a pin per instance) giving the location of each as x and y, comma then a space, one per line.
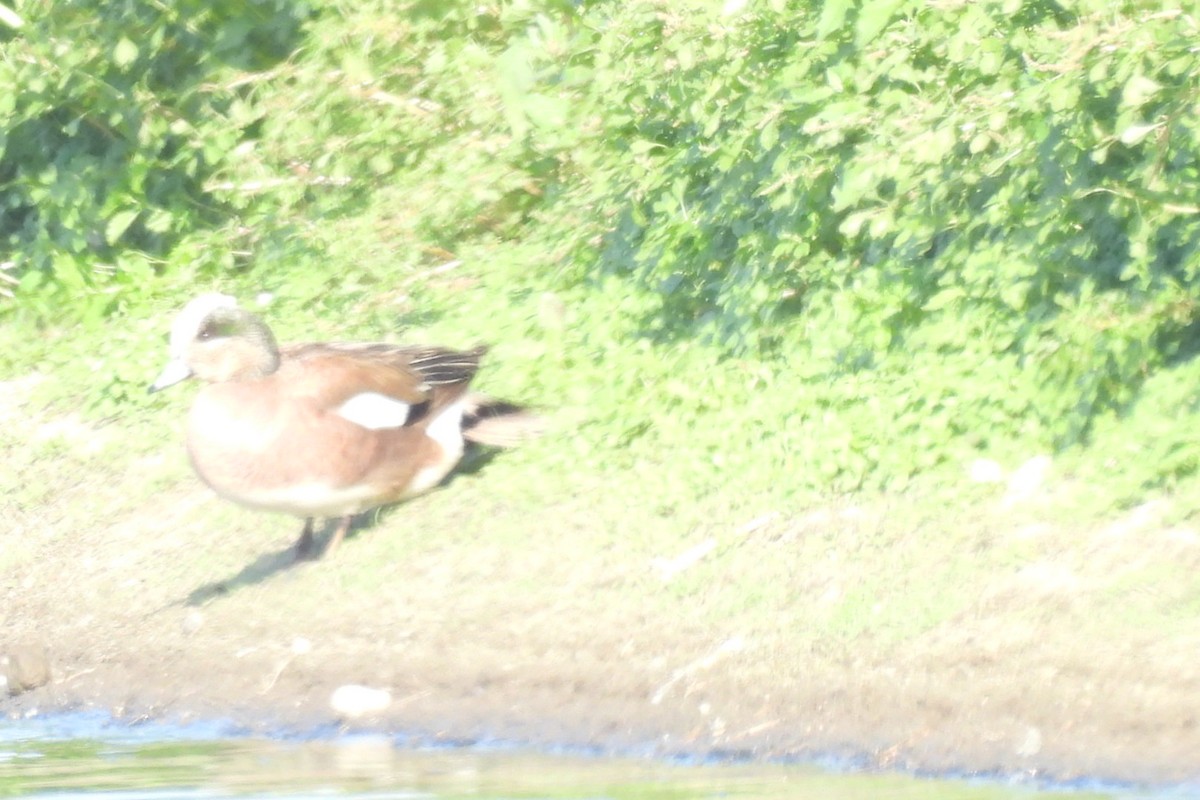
187, 324
374, 411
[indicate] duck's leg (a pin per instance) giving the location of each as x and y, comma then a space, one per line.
304, 545
338, 535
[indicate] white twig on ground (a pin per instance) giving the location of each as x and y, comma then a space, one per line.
299, 647
668, 568
753, 729
440, 269
762, 520
734, 644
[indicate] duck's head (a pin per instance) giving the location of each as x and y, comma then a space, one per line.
216, 340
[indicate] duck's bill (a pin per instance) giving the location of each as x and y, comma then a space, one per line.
173, 373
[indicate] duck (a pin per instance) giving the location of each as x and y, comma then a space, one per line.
325, 430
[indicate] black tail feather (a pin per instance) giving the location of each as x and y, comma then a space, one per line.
498, 422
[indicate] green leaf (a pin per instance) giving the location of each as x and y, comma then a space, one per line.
1138, 91
546, 111
769, 136
873, 19
117, 225
991, 57
10, 18
857, 180
1136, 133
833, 16
380, 163
125, 53
944, 298
158, 222
642, 146
979, 142
853, 224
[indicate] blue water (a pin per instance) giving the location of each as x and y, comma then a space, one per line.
91, 756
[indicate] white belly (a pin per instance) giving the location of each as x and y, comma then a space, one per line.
307, 500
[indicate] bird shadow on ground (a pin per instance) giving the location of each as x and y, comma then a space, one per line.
474, 460
268, 564
258, 570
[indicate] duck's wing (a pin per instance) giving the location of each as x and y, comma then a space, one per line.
378, 385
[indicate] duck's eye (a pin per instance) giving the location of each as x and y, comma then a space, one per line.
214, 328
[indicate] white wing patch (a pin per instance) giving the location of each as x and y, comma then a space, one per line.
446, 430
374, 411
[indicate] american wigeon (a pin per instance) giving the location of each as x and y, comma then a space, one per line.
325, 430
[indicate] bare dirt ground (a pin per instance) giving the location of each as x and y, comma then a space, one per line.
154, 600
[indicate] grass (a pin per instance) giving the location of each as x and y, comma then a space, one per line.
654, 450
583, 547
656, 447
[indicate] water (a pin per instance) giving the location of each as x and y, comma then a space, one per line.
90, 757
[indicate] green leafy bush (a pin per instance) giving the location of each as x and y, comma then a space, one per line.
1022, 171
874, 238
114, 120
